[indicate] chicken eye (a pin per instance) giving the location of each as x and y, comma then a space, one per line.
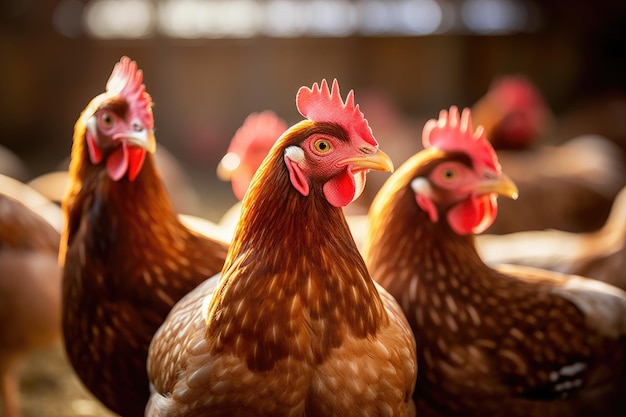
322, 146
448, 174
107, 119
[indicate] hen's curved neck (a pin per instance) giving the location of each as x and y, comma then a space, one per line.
403, 244
295, 268
117, 208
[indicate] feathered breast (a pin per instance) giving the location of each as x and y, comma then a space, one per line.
291, 288
127, 260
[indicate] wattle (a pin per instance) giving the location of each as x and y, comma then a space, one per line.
345, 187
125, 159
474, 215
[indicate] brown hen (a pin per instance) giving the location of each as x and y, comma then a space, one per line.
569, 187
127, 257
31, 198
513, 112
30, 292
295, 326
513, 342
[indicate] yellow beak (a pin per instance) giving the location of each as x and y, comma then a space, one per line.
378, 161
144, 139
502, 185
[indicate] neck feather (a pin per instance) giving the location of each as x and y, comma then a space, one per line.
403, 243
118, 208
294, 282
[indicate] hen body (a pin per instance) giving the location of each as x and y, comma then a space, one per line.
569, 187
510, 342
599, 255
34, 200
294, 326
30, 292
127, 260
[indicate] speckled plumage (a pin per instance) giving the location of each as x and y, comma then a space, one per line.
295, 326
514, 342
127, 260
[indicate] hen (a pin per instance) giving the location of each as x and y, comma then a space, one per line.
569, 186
247, 150
12, 165
295, 326
600, 254
30, 292
511, 342
127, 257
513, 112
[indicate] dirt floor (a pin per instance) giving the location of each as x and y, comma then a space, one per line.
49, 388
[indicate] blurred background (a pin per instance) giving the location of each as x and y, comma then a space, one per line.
209, 63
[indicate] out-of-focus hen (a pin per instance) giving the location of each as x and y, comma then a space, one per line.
12, 165
566, 186
247, 150
30, 293
600, 254
513, 112
127, 257
32, 199
295, 326
509, 342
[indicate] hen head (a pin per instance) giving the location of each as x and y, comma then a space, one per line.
248, 147
119, 123
459, 175
521, 111
333, 147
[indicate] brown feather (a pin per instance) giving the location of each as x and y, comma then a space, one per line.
294, 326
127, 260
517, 343
30, 293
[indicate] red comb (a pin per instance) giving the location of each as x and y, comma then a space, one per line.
321, 105
259, 128
455, 134
127, 81
516, 92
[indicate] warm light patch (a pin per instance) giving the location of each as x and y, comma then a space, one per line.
231, 161
109, 19
214, 19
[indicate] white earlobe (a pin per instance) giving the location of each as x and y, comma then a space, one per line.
295, 153
293, 156
421, 186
